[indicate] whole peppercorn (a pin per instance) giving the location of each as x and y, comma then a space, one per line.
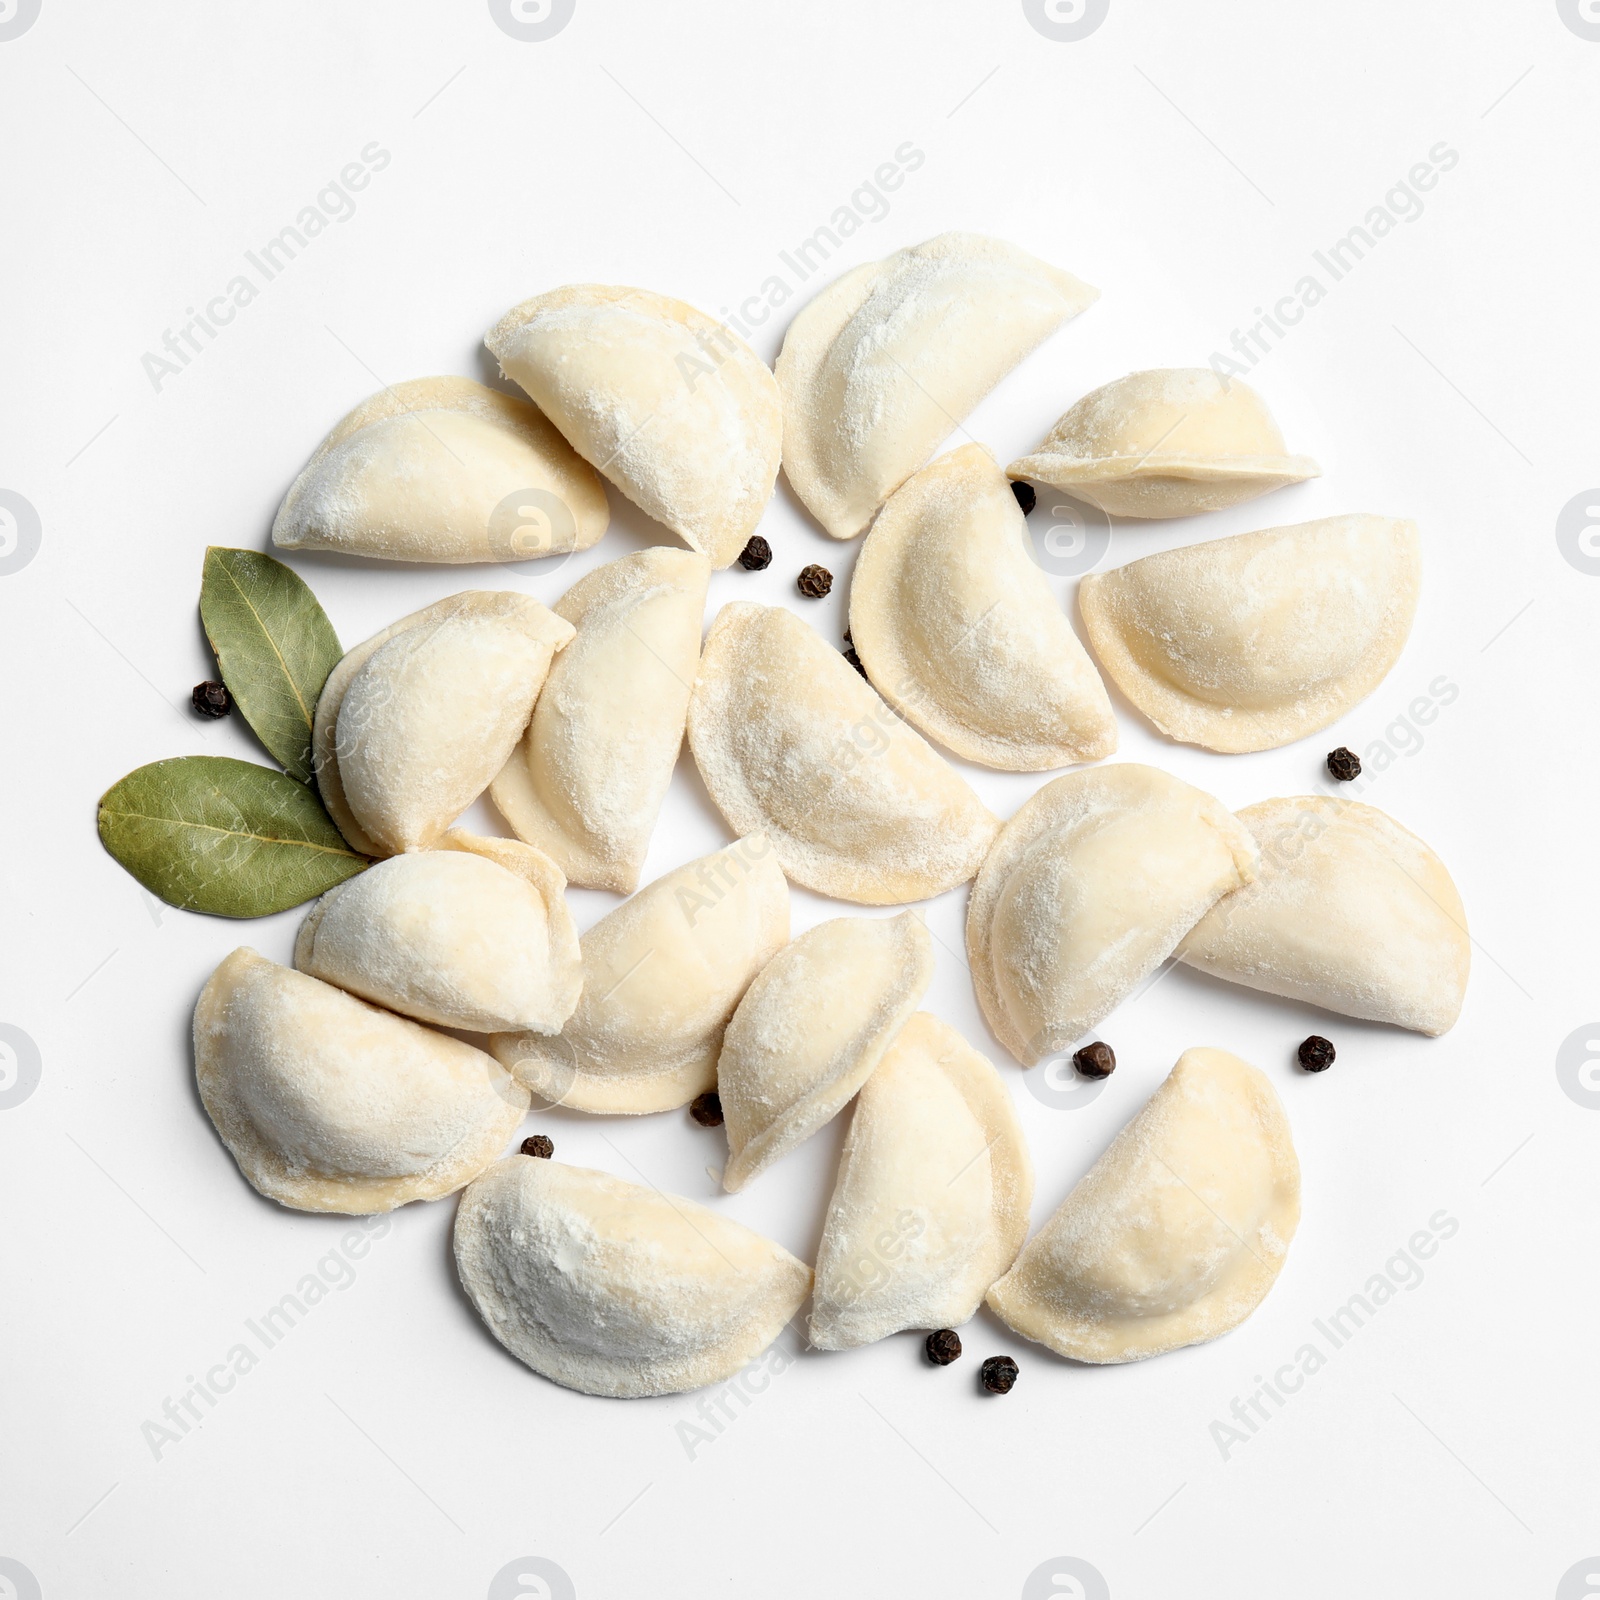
1316, 1053
1096, 1060
1344, 764
540, 1145
211, 699
998, 1374
854, 660
943, 1347
706, 1109
756, 555
814, 581
1027, 495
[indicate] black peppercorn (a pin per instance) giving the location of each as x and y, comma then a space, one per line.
943, 1347
1344, 764
211, 699
854, 660
998, 1374
706, 1109
1096, 1060
1027, 495
814, 581
540, 1145
1316, 1054
756, 555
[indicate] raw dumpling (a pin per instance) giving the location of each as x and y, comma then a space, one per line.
675, 410
810, 1030
425, 471
931, 1203
1255, 641
587, 780
615, 1290
1349, 912
474, 934
959, 632
413, 724
661, 977
790, 741
1170, 442
1088, 889
879, 368
1176, 1233
329, 1104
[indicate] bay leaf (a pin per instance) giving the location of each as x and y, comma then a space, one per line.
274, 646
208, 833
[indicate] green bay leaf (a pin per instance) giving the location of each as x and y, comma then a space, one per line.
209, 833
274, 645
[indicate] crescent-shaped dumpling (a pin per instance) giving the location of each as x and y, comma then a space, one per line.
612, 1289
931, 1202
1088, 889
412, 725
662, 975
1254, 641
673, 408
474, 934
810, 1030
425, 471
586, 783
791, 742
879, 368
1176, 1233
1350, 912
329, 1104
959, 632
1171, 442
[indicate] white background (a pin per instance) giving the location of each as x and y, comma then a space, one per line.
1187, 160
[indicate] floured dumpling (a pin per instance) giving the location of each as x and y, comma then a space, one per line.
1171, 442
329, 1104
790, 741
474, 934
611, 1289
931, 1202
675, 410
661, 977
425, 471
1349, 912
1176, 1233
1254, 641
885, 362
810, 1030
413, 724
586, 783
959, 632
1088, 889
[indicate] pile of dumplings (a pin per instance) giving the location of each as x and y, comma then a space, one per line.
332, 1083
